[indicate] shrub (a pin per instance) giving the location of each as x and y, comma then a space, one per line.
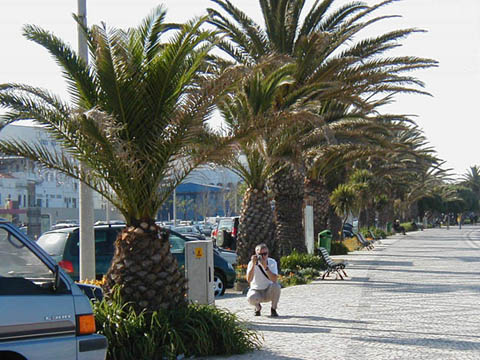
292, 279
379, 233
351, 244
298, 261
309, 273
193, 330
338, 248
408, 226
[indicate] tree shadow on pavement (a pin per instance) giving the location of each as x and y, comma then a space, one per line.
437, 343
322, 318
289, 328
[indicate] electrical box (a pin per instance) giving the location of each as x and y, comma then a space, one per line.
199, 271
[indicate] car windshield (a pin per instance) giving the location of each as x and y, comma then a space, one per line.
53, 243
17, 260
225, 224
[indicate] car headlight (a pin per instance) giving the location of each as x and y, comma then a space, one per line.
230, 266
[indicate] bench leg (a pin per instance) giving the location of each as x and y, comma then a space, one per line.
344, 273
325, 274
339, 274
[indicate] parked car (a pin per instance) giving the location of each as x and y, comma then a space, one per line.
205, 229
189, 232
44, 313
63, 246
226, 234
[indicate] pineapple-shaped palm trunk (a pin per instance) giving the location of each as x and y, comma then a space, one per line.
316, 193
146, 272
255, 226
287, 188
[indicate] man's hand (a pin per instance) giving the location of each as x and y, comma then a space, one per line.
264, 262
254, 259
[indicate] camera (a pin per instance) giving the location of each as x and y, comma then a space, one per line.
259, 258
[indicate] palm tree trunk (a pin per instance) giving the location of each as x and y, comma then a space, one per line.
287, 188
255, 226
335, 224
371, 214
146, 271
385, 215
317, 193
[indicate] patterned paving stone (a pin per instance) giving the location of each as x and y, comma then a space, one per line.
412, 297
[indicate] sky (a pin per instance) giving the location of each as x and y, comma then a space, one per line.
452, 38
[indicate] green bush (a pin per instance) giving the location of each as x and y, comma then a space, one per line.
338, 248
379, 233
193, 330
408, 226
292, 279
298, 261
309, 273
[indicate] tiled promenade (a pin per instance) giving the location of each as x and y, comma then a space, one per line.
412, 297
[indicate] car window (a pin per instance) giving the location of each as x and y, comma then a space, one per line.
53, 243
104, 242
74, 244
17, 260
225, 224
177, 244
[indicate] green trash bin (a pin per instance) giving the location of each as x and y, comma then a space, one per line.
325, 239
389, 227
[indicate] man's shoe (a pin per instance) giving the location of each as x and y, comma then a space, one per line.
257, 311
273, 313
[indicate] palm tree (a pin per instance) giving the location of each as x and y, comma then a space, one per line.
253, 104
344, 200
352, 74
472, 179
137, 122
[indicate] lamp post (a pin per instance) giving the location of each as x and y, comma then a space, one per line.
87, 234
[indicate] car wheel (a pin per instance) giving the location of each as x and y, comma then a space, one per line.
219, 284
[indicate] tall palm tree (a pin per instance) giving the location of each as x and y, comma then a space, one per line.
472, 179
252, 104
344, 200
137, 122
327, 56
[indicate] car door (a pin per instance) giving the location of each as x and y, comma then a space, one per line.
38, 318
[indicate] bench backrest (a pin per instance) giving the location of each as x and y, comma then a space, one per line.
326, 256
361, 238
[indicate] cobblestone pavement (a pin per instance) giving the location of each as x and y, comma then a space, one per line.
412, 297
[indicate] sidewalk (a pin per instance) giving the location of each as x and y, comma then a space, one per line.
412, 297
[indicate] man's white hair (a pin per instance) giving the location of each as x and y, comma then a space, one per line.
260, 247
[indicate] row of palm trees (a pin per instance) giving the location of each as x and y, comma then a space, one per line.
300, 96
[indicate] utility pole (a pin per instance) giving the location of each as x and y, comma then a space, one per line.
87, 234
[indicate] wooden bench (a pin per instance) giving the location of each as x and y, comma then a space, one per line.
332, 266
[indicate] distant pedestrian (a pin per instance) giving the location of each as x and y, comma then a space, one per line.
262, 275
